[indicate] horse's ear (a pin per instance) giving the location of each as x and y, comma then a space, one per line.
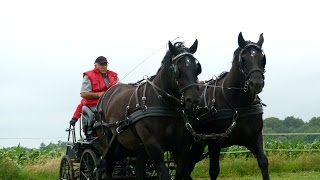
194, 47
172, 49
241, 41
261, 40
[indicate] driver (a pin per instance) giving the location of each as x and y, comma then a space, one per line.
95, 82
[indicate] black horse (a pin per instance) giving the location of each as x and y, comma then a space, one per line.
145, 118
230, 110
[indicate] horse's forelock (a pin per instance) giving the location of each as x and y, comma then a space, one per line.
248, 43
167, 61
179, 45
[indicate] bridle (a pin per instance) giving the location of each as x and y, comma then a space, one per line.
248, 74
175, 70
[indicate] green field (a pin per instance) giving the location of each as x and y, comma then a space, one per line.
40, 164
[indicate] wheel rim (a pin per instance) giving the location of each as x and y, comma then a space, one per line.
66, 169
88, 164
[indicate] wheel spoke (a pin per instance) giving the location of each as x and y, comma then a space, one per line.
87, 165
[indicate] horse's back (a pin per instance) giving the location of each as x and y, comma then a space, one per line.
116, 101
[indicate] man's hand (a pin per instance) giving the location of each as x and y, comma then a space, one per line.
73, 122
100, 94
92, 95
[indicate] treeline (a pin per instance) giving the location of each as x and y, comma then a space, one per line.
292, 125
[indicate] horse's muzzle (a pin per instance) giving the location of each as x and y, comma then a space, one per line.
256, 86
191, 102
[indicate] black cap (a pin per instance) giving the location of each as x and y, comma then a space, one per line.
101, 60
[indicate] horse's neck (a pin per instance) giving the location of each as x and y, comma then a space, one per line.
162, 80
235, 97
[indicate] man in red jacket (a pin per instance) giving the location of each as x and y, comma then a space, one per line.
95, 82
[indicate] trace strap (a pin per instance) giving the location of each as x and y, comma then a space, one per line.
198, 137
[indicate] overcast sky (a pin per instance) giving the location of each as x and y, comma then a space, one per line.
45, 46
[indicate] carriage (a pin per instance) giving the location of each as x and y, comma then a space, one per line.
81, 159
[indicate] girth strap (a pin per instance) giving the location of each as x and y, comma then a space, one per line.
149, 112
225, 114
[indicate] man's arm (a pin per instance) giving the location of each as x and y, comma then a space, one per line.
86, 90
91, 95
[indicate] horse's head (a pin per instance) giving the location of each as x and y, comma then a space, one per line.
184, 71
251, 61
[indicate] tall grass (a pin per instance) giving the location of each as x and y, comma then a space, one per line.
20, 163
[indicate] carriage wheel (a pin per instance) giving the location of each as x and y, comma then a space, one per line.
66, 169
88, 163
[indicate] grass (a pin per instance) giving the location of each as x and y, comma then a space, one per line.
281, 167
45, 170
275, 176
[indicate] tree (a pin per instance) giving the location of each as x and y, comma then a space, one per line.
315, 122
42, 145
293, 123
273, 125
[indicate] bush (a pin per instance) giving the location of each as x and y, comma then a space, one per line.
9, 170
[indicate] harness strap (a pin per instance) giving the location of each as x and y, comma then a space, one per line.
159, 89
225, 114
144, 98
240, 112
149, 112
205, 97
197, 137
136, 96
128, 106
105, 152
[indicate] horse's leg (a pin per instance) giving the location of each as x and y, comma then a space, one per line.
196, 153
142, 158
107, 162
181, 158
214, 154
102, 138
156, 155
257, 150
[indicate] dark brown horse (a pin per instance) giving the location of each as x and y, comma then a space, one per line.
144, 117
229, 108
